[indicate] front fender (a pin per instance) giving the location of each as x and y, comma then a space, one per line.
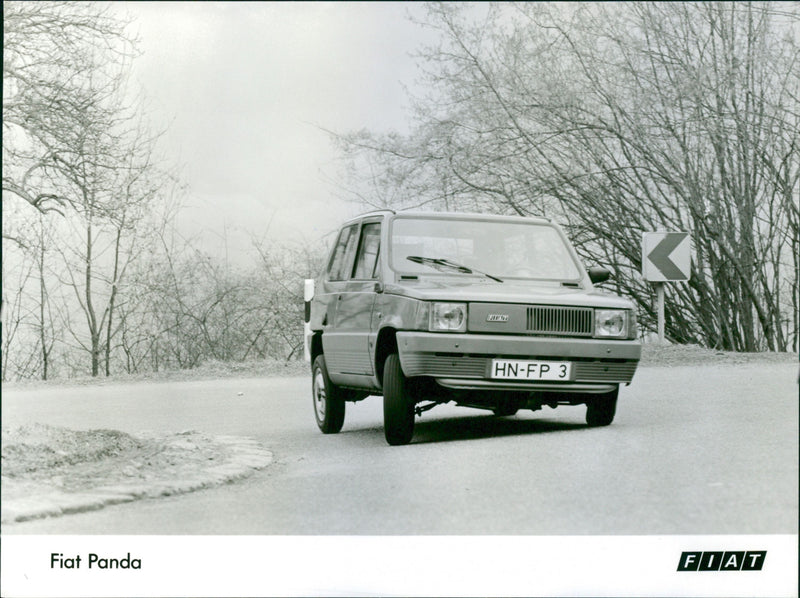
400, 312
393, 313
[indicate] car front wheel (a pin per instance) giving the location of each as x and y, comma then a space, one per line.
398, 405
600, 409
328, 399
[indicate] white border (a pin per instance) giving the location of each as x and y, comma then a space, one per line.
396, 565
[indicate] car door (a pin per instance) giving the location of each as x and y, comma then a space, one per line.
334, 282
346, 342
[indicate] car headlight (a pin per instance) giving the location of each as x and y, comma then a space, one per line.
450, 317
610, 323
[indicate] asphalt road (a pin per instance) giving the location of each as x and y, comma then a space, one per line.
693, 450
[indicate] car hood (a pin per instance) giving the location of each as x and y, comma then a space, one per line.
505, 292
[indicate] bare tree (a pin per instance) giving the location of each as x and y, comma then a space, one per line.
14, 320
193, 307
620, 119
44, 322
30, 318
112, 182
52, 53
75, 142
279, 280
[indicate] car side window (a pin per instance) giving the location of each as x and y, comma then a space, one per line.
342, 255
367, 259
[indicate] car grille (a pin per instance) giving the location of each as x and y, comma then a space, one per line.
532, 319
563, 321
431, 364
605, 371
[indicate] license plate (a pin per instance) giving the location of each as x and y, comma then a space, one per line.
518, 369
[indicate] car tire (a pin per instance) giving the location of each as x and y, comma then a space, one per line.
398, 405
601, 408
328, 399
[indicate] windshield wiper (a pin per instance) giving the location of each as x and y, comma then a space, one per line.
438, 261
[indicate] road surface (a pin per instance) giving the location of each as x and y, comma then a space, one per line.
693, 450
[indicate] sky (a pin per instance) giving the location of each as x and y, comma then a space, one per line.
246, 88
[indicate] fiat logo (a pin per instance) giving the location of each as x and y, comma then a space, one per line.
497, 318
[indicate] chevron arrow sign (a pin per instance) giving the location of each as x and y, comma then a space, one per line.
666, 256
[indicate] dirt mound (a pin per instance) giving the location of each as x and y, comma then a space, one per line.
39, 449
50, 471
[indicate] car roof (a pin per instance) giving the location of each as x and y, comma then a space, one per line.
448, 215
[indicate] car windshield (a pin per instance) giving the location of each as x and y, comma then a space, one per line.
503, 249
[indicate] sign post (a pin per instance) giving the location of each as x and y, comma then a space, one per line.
660, 304
666, 256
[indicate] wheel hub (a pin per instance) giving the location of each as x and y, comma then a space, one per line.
320, 398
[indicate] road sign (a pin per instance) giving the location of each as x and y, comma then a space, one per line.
666, 256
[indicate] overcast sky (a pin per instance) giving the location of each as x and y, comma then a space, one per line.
245, 87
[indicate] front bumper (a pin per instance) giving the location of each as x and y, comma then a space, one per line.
464, 360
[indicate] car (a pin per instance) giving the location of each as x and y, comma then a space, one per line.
485, 311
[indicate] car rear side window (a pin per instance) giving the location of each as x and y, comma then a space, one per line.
368, 251
342, 256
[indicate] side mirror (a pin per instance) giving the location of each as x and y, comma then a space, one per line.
598, 274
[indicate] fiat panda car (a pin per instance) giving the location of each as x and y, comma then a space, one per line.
489, 312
